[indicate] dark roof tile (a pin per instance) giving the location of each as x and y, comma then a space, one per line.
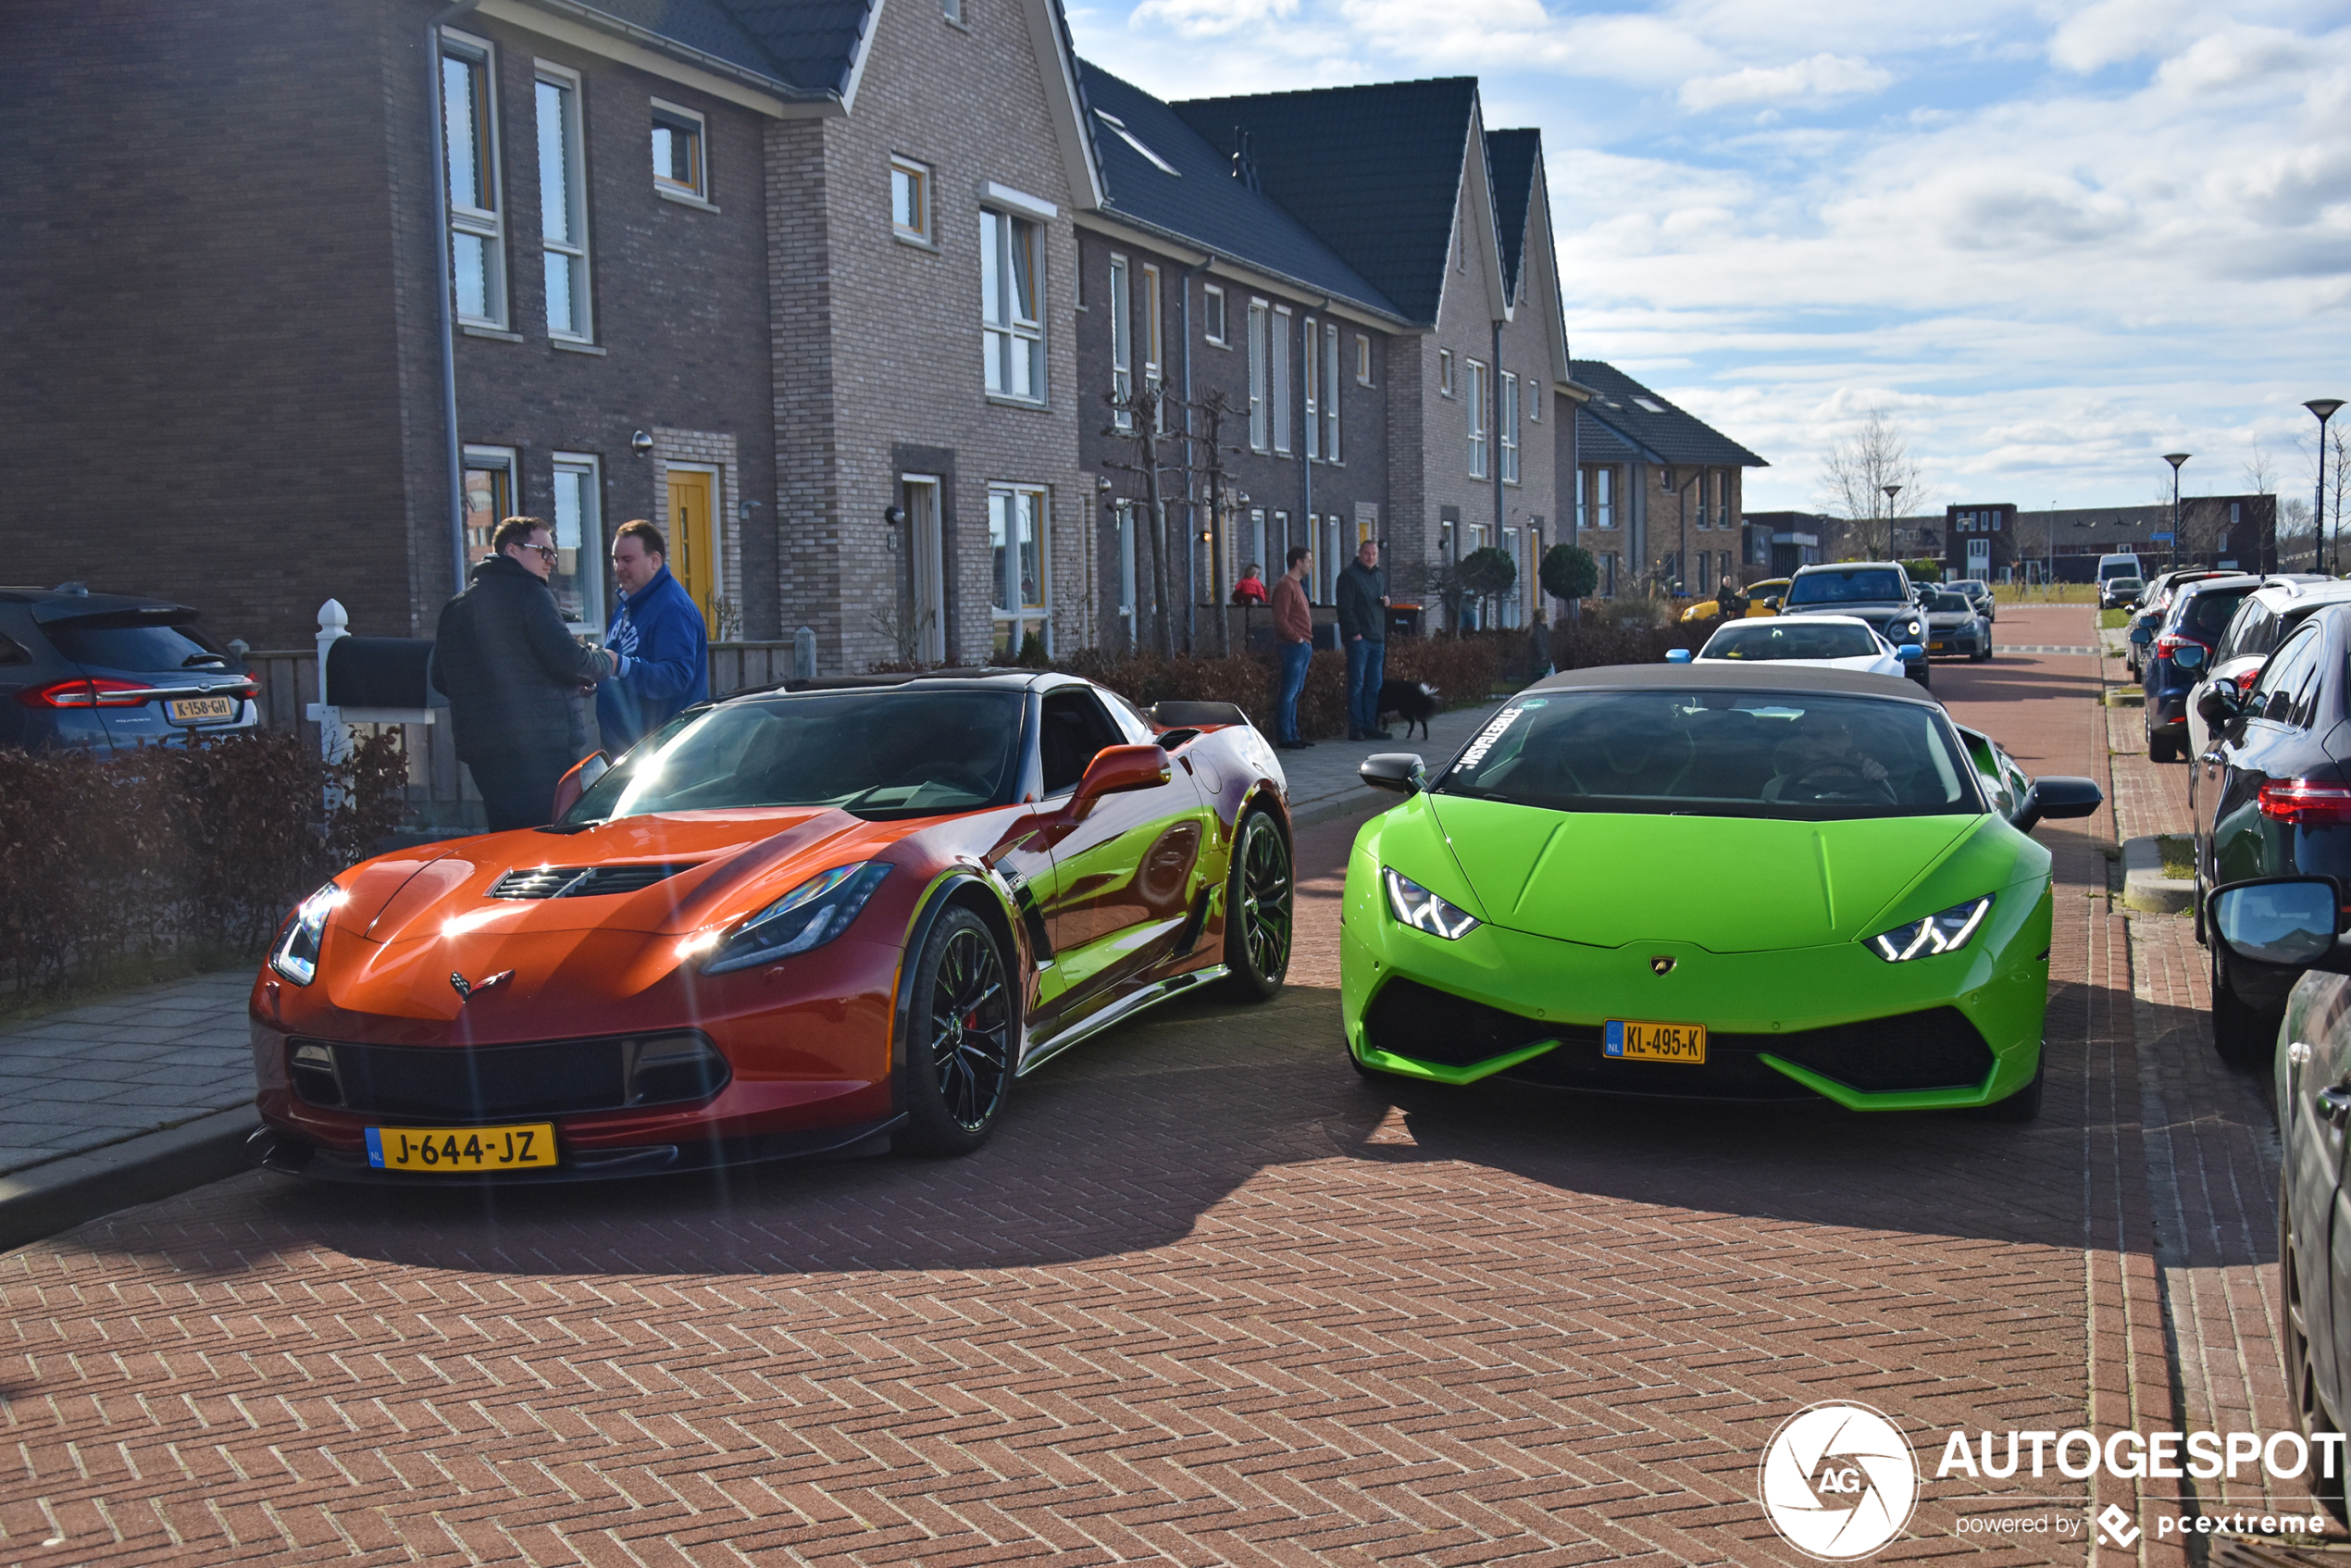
809, 45
1649, 423
1511, 156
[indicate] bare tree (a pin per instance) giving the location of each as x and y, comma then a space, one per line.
1856, 473
2260, 472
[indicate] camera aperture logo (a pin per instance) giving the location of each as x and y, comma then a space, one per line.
1838, 1481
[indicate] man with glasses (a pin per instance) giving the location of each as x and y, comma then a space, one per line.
514, 675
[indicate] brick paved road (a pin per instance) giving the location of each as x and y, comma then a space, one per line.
1207, 1299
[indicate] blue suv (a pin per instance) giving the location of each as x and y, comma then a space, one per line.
103, 671
2173, 659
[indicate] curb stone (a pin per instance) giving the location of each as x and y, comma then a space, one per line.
2145, 888
43, 1200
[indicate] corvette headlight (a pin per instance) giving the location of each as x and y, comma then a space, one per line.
1936, 933
296, 954
808, 916
1423, 911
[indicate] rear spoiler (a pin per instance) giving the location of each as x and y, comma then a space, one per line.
1195, 715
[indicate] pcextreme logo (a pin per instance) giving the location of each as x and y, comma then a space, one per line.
1838, 1481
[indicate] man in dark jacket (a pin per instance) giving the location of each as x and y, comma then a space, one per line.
661, 637
512, 674
1362, 631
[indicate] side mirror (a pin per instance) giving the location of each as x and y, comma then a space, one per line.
2141, 634
1117, 769
1399, 772
2188, 655
2283, 922
1910, 653
572, 785
2219, 704
1677, 655
2057, 797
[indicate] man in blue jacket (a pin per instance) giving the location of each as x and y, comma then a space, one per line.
659, 634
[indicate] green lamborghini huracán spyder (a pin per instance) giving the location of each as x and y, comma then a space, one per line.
1716, 882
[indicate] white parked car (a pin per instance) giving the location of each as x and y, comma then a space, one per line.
1845, 643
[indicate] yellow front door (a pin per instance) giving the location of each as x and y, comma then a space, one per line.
693, 559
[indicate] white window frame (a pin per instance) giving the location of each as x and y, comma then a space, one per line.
1604, 496
695, 193
917, 175
952, 12
1154, 337
1444, 372
1008, 608
1331, 453
1126, 544
1285, 320
1212, 332
571, 250
1310, 376
1506, 422
1122, 343
496, 459
1261, 403
1362, 359
1474, 417
589, 539
469, 222
1582, 485
1533, 401
1005, 330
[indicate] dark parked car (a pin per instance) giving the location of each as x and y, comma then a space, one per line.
1979, 593
107, 671
1875, 592
2286, 931
1954, 624
2274, 800
2154, 603
2175, 658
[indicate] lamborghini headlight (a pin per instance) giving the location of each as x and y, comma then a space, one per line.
1423, 911
808, 916
296, 954
1946, 932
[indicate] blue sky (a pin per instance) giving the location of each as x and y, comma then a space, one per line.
2055, 241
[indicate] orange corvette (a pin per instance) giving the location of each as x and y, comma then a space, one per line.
788, 923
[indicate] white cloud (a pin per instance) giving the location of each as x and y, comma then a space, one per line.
2115, 30
1822, 76
1208, 18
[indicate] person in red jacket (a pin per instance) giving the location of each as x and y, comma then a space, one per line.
1294, 632
1251, 590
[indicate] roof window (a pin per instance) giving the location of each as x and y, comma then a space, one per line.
1652, 407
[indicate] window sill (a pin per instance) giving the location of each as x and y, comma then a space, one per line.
914, 242
683, 200
1218, 342
1002, 400
571, 345
498, 334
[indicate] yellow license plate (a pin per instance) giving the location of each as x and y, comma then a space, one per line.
189, 710
1636, 1041
1934, 647
464, 1150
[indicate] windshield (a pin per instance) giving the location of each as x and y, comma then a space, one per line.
1952, 603
1790, 640
1876, 585
878, 754
1794, 755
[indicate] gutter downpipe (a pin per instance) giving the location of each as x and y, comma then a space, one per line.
1494, 419
1192, 442
1305, 461
439, 177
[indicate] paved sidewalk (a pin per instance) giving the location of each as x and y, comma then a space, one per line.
136, 1062
1322, 781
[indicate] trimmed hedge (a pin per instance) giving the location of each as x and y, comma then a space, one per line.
1585, 645
109, 859
1464, 669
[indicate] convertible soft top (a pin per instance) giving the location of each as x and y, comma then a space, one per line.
1725, 676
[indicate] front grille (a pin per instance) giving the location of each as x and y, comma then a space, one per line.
465, 1084
581, 881
1937, 1049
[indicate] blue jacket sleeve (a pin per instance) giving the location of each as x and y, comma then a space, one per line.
671, 666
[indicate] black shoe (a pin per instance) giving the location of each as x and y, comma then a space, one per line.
1302, 746
1377, 735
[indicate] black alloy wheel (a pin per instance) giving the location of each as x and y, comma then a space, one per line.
2160, 748
2301, 1377
1258, 907
2244, 1036
959, 1051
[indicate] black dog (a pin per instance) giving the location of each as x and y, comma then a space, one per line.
1412, 701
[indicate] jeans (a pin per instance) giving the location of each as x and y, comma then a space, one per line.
519, 791
1289, 681
1366, 666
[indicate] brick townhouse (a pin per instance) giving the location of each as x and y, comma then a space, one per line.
1658, 492
229, 360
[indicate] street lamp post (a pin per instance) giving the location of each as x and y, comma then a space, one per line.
2324, 408
1892, 491
2175, 459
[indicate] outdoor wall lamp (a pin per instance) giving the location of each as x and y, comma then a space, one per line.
893, 515
640, 443
743, 509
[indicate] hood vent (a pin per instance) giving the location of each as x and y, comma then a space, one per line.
582, 881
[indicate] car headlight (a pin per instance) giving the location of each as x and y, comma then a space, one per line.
1946, 932
296, 954
1423, 911
808, 916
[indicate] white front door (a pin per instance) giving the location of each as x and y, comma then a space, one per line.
1979, 558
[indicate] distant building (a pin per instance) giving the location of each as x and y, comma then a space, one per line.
1785, 540
1998, 541
1656, 491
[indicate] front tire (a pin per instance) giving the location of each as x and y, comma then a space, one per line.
1920, 673
1258, 908
2160, 748
2301, 1377
2242, 1035
960, 1035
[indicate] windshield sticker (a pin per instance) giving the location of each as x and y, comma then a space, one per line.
1485, 741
